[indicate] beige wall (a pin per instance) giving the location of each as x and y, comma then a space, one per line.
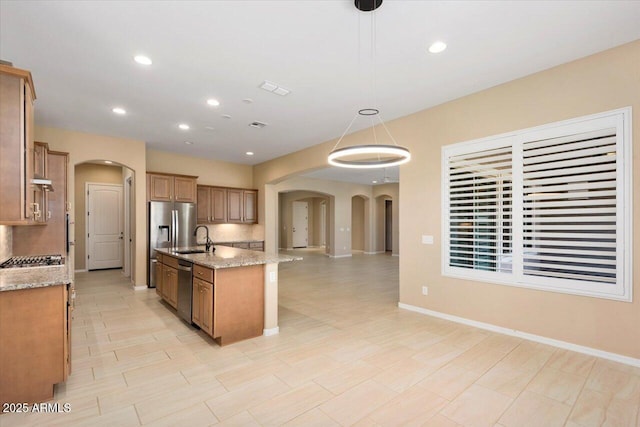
598, 83
318, 239
381, 193
357, 223
84, 147
89, 172
209, 172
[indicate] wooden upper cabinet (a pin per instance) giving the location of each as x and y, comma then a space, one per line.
234, 206
159, 187
218, 205
40, 151
212, 205
203, 209
250, 198
52, 238
168, 188
16, 146
185, 189
242, 206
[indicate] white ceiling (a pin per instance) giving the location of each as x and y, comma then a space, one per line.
80, 54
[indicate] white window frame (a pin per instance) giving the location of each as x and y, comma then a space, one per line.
622, 289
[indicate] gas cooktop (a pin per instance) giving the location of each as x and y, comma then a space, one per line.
33, 261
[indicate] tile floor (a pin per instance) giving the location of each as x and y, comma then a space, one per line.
345, 355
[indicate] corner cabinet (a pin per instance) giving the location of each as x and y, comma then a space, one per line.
17, 199
162, 187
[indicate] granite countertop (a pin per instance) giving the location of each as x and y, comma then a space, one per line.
13, 279
227, 257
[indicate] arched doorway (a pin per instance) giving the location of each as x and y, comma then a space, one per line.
92, 180
317, 217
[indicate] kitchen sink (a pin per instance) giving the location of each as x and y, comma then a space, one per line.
191, 251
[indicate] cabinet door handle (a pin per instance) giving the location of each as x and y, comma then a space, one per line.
36, 210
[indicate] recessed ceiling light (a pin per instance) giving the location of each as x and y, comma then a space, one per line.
247, 101
119, 110
213, 102
141, 59
183, 126
108, 162
188, 142
226, 116
437, 47
374, 182
249, 153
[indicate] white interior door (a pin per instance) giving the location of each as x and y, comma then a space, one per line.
300, 224
104, 226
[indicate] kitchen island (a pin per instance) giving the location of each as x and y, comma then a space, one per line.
234, 292
35, 331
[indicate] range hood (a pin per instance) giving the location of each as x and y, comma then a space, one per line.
44, 184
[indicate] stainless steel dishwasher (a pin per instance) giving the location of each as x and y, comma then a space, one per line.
185, 289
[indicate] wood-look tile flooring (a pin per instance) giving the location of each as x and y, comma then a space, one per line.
345, 355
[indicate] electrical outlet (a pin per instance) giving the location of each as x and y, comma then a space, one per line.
425, 290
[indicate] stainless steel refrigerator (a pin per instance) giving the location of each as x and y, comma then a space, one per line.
171, 225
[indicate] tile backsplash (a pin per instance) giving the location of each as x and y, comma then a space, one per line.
6, 242
227, 232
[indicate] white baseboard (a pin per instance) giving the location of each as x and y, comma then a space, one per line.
339, 256
140, 288
80, 271
271, 331
525, 335
395, 254
374, 253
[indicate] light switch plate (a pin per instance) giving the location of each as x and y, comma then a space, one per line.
427, 240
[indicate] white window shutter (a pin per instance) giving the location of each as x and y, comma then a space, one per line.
569, 207
480, 218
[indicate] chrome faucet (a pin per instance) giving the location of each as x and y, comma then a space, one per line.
208, 242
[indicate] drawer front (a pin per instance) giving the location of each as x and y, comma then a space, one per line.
159, 257
170, 261
203, 273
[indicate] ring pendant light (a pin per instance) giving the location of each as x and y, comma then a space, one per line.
368, 156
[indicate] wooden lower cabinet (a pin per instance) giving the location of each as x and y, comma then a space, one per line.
202, 309
159, 276
35, 327
238, 310
228, 303
169, 286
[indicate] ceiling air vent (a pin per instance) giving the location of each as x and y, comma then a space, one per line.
257, 125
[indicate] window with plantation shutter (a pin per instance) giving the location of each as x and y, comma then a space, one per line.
480, 210
547, 208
